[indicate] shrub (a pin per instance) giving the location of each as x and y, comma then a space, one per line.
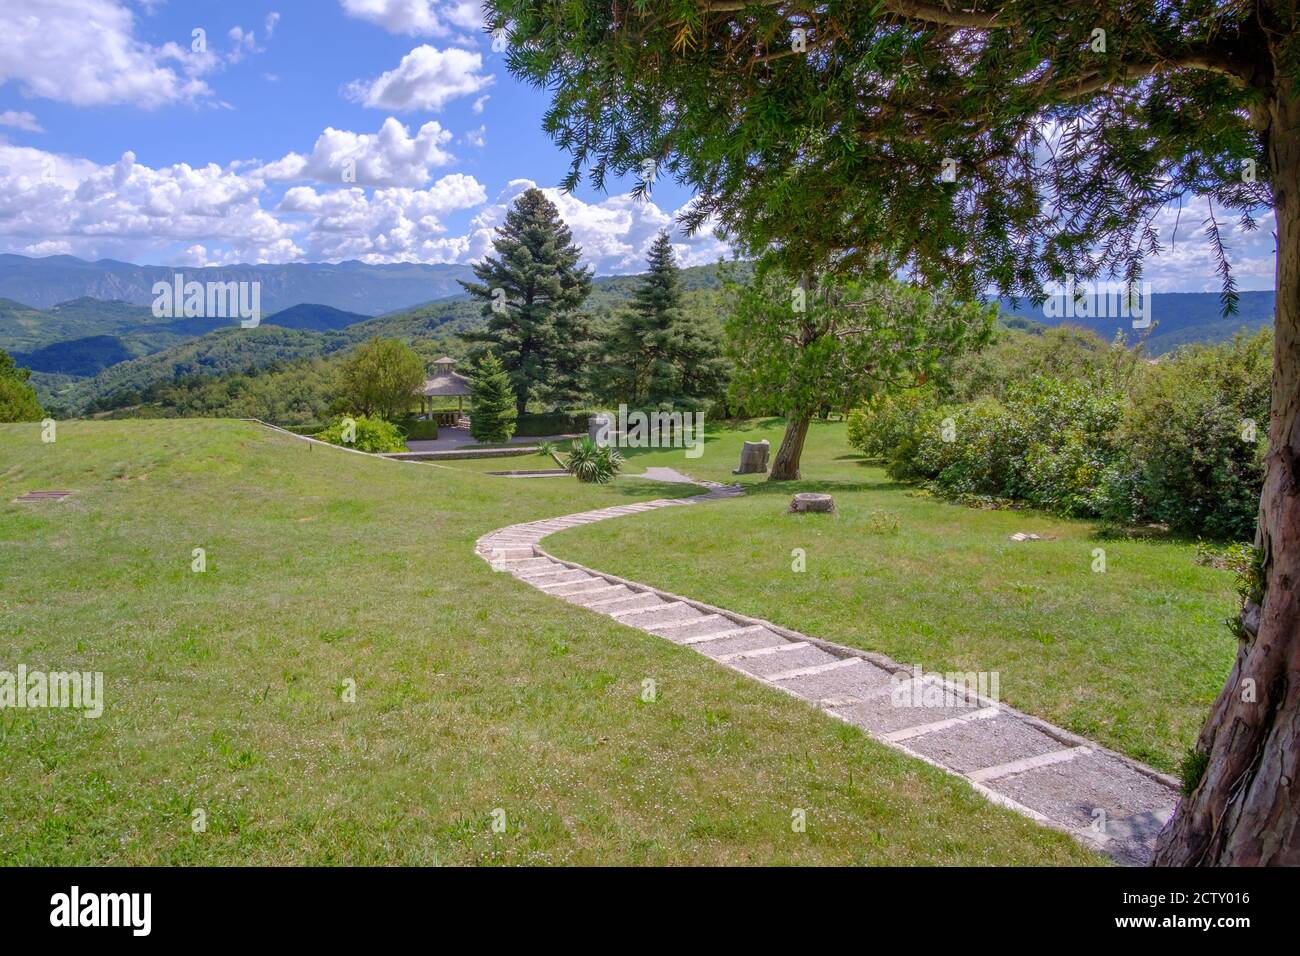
1199, 436
887, 421
587, 461
1051, 444
552, 423
372, 434
18, 401
418, 429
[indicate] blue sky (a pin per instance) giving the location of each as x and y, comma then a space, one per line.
119, 139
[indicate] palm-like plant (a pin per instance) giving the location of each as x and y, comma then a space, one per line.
587, 461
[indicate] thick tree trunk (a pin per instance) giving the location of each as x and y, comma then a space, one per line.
1244, 810
785, 466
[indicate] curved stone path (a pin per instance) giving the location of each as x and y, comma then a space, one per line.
1103, 798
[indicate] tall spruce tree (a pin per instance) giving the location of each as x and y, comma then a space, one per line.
656, 355
532, 290
492, 415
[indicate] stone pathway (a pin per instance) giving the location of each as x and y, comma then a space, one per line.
1103, 798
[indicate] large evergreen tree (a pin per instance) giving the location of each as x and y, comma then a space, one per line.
987, 144
655, 354
532, 291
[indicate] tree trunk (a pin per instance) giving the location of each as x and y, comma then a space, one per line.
1244, 810
785, 466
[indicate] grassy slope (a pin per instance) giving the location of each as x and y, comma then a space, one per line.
474, 690
1132, 657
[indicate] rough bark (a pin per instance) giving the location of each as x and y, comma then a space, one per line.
1245, 809
785, 466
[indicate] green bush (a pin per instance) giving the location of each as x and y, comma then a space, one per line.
552, 423
1052, 444
418, 429
18, 401
1198, 434
888, 421
372, 434
587, 461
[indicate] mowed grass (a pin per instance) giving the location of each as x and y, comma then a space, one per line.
1132, 657
474, 692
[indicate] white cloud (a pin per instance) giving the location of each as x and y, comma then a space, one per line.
50, 202
85, 52
476, 137
20, 119
615, 234
390, 225
272, 21
426, 79
391, 157
418, 17
478, 103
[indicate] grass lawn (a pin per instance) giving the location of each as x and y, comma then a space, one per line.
1132, 657
473, 691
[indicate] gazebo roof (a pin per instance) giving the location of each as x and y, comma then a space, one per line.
445, 360
445, 383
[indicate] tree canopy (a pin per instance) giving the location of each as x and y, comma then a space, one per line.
978, 144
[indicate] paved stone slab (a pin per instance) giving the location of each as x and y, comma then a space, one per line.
966, 748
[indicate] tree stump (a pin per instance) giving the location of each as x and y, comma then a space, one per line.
753, 458
808, 501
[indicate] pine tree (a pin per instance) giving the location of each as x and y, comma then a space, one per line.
532, 290
656, 355
492, 411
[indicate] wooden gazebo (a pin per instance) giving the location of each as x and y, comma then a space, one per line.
444, 384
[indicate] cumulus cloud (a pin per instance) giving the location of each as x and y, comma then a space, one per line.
85, 52
418, 17
426, 79
390, 225
54, 203
391, 157
615, 234
20, 119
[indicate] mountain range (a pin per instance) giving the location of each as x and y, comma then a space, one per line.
351, 286
1176, 318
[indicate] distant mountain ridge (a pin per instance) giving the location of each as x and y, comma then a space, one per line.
350, 286
1177, 318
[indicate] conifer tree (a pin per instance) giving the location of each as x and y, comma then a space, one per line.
656, 355
492, 401
531, 290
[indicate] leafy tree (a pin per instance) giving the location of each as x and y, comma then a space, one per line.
18, 401
492, 411
381, 378
985, 143
531, 291
656, 354
838, 344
